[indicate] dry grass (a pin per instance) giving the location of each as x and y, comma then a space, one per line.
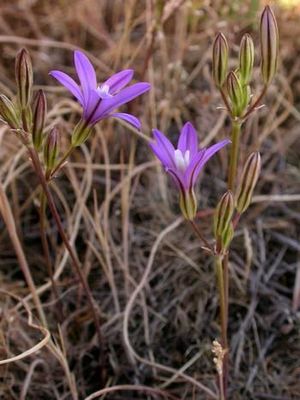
155, 289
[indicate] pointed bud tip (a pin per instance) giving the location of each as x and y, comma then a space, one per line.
219, 59
269, 41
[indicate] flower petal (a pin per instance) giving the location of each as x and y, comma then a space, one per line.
131, 119
117, 81
124, 96
86, 73
210, 151
188, 139
163, 149
200, 160
92, 103
178, 179
194, 169
68, 83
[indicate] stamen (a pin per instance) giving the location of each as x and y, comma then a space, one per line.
103, 91
181, 160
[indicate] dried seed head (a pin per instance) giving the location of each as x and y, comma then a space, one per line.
269, 42
188, 204
223, 214
220, 60
38, 120
8, 112
246, 58
51, 149
219, 353
248, 181
235, 93
24, 78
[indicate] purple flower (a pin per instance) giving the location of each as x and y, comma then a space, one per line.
184, 163
99, 101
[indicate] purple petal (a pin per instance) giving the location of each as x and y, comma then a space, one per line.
188, 139
214, 149
85, 72
126, 95
92, 103
163, 149
200, 160
132, 120
117, 81
178, 178
68, 83
194, 169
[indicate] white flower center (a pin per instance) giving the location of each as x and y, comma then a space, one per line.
103, 91
181, 160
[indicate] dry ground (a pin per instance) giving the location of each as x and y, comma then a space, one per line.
154, 287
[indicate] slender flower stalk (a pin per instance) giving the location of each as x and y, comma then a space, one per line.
99, 101
184, 163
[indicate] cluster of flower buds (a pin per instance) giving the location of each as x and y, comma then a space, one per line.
235, 85
27, 117
229, 203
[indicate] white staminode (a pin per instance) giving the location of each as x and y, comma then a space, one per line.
103, 90
182, 160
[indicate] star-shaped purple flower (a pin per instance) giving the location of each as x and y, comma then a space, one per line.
184, 163
99, 101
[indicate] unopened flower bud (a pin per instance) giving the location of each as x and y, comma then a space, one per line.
24, 78
81, 133
227, 237
248, 181
188, 204
246, 57
8, 112
223, 214
269, 42
235, 93
38, 120
220, 60
51, 149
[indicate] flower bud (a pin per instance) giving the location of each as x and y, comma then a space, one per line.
269, 42
248, 181
38, 120
246, 58
227, 237
220, 60
51, 149
188, 204
24, 78
223, 214
81, 133
8, 112
235, 93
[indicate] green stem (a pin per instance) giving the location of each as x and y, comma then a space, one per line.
200, 236
234, 153
223, 287
60, 163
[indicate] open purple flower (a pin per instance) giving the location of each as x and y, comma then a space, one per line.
184, 163
100, 101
